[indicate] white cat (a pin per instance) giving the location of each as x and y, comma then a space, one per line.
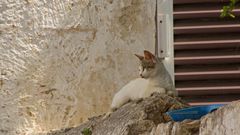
154, 78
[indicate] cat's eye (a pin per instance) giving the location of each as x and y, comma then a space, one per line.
150, 67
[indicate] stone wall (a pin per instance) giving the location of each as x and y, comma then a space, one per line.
62, 61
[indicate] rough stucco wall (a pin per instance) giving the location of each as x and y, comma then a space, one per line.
62, 61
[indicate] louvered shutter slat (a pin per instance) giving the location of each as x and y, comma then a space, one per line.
207, 44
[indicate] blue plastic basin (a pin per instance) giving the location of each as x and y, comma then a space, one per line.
193, 113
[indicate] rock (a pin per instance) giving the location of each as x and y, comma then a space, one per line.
224, 121
187, 127
134, 118
147, 117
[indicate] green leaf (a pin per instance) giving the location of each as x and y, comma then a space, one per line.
228, 9
86, 131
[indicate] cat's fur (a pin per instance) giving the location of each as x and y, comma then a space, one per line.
154, 78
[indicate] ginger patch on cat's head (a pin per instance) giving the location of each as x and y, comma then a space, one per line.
148, 56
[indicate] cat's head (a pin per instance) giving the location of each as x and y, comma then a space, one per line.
148, 65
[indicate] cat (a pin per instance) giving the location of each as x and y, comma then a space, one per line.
153, 78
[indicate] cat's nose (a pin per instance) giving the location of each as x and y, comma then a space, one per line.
141, 75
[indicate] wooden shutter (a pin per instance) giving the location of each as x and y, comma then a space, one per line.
207, 52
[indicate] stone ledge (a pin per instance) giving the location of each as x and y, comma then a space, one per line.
133, 118
147, 117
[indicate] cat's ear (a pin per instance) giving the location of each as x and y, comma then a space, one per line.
139, 56
149, 56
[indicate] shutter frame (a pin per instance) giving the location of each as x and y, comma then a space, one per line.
207, 52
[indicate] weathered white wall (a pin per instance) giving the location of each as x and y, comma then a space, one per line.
62, 60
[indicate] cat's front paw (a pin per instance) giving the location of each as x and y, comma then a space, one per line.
154, 93
172, 93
